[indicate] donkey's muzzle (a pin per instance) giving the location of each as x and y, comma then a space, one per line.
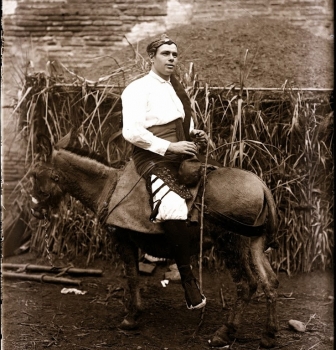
37, 214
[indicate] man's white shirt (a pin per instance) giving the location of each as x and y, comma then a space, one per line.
146, 102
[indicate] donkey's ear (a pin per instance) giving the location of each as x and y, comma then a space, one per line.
43, 146
64, 141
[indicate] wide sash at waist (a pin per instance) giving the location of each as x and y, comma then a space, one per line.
166, 131
145, 160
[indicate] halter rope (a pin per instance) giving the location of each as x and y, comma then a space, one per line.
46, 239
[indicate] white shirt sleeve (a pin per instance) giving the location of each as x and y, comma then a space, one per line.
134, 106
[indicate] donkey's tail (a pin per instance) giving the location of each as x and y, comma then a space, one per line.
272, 220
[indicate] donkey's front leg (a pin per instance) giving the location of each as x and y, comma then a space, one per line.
128, 252
133, 304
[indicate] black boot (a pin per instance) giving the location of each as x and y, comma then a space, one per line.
178, 236
193, 296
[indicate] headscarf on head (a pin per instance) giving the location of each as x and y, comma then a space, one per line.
152, 47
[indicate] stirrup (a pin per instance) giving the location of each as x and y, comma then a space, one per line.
201, 304
198, 306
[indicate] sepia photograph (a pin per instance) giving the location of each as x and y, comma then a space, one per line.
167, 174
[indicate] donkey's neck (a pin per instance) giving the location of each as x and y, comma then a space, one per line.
89, 181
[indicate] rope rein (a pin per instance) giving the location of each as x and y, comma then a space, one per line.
60, 269
202, 217
46, 239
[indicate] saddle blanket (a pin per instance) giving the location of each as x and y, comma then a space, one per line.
129, 206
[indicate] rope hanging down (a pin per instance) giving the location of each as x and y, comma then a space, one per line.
200, 262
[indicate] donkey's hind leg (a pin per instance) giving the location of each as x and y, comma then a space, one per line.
269, 284
246, 284
128, 252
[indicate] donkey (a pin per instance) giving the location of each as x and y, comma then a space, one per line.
241, 222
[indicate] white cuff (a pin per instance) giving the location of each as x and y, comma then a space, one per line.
159, 146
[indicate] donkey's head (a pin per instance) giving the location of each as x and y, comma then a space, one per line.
46, 192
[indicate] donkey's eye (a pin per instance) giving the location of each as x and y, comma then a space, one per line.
55, 178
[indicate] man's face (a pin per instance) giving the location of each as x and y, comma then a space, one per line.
165, 60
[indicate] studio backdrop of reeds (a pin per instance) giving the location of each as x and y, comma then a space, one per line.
283, 135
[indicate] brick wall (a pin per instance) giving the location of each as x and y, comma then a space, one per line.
13, 157
76, 31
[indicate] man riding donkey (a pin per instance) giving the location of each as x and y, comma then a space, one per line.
157, 121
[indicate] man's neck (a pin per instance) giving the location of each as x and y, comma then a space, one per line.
164, 77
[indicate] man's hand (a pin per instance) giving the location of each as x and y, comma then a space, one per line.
183, 147
199, 136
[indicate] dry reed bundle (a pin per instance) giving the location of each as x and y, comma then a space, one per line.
55, 104
285, 137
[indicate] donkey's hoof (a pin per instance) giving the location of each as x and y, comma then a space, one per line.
128, 324
220, 338
267, 341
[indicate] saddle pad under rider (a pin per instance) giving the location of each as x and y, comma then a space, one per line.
129, 206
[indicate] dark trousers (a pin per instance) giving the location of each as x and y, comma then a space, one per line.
179, 238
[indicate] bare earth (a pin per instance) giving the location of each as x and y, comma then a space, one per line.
38, 316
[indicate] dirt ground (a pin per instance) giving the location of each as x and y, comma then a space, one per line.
37, 316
